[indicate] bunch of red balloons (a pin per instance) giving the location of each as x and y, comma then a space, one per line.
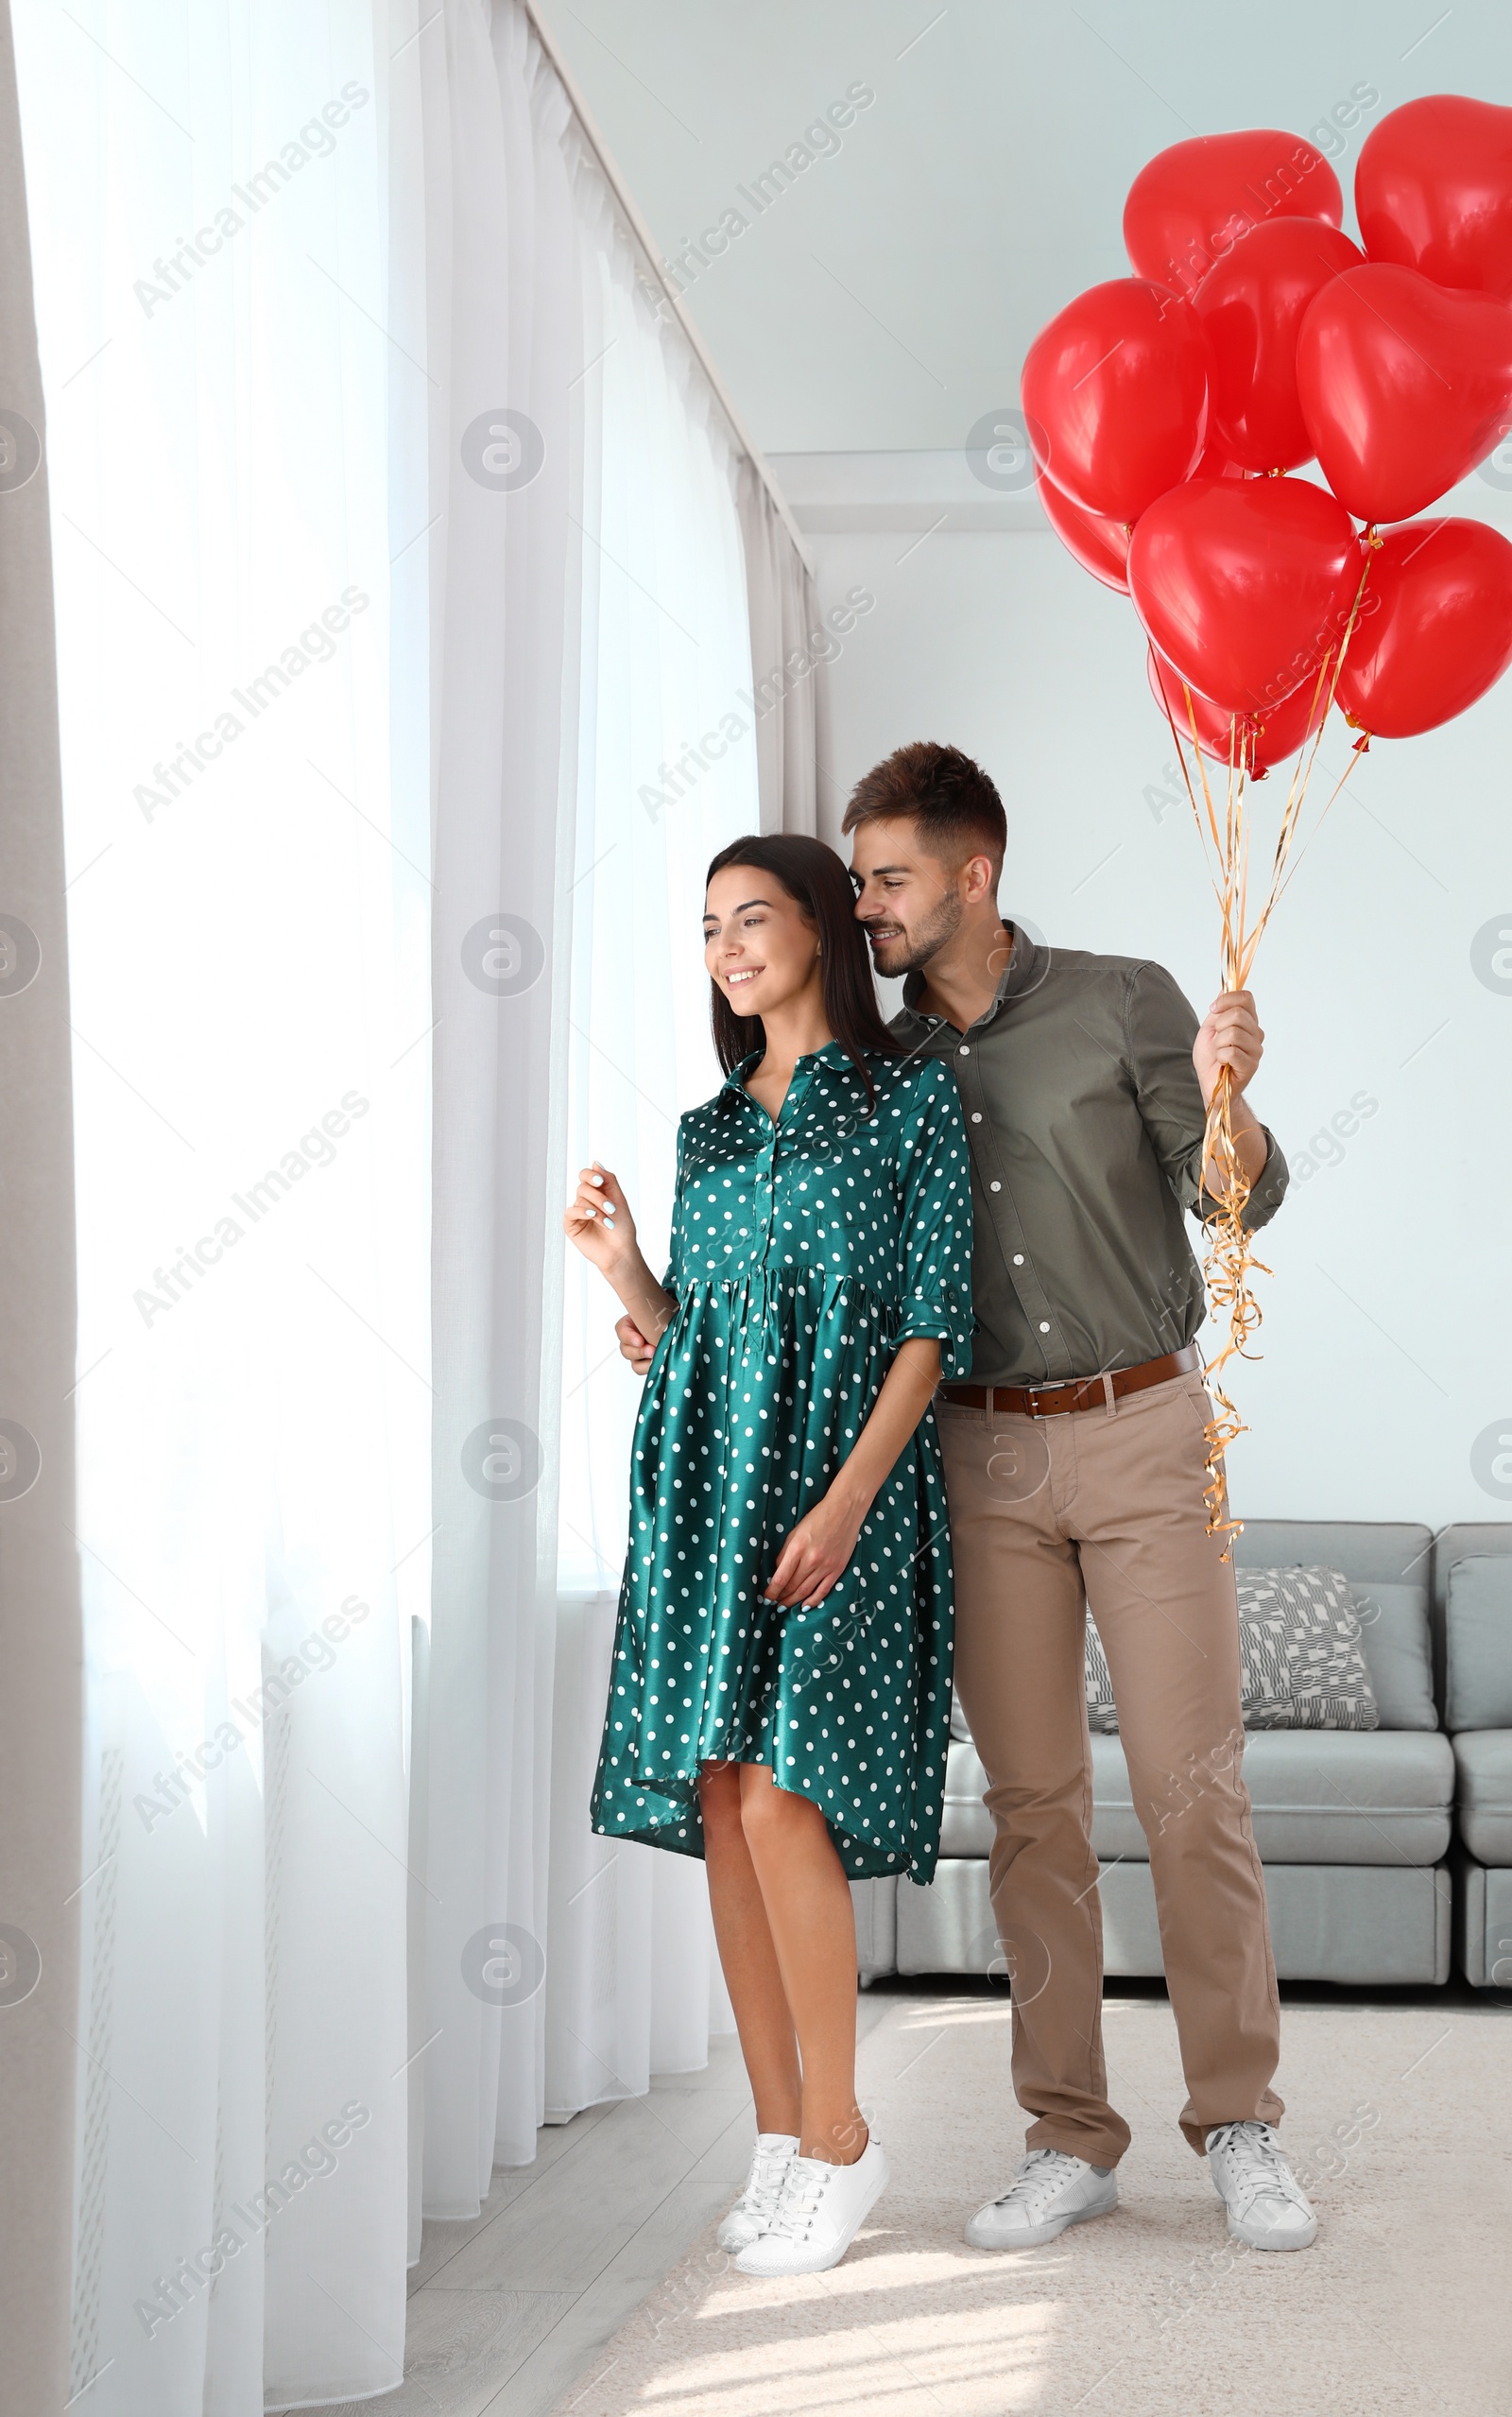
1167, 411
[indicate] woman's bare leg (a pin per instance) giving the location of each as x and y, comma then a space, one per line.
767, 2040
811, 1923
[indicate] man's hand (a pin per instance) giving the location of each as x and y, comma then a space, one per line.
1229, 1036
634, 1345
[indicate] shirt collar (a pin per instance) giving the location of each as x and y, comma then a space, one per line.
833, 1054
1027, 964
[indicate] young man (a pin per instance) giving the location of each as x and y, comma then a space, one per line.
1075, 1470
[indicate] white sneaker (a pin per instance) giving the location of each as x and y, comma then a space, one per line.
1051, 2190
1266, 2206
821, 2212
757, 2204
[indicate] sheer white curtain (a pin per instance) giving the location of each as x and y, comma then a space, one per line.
405, 689
249, 908
790, 647
592, 751
506, 355
668, 774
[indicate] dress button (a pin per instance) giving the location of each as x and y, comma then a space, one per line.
1018, 1258
1044, 1325
994, 1187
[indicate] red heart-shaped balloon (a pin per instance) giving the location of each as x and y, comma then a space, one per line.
1186, 706
1404, 387
1434, 192
1192, 205
1216, 463
1100, 546
1259, 740
1115, 396
1243, 583
1436, 626
1252, 304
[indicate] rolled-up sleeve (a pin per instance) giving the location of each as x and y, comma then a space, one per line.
1161, 1026
936, 1216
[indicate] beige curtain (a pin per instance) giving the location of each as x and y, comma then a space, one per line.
41, 1700
789, 648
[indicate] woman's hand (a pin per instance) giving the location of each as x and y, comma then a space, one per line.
598, 1220
815, 1555
634, 1346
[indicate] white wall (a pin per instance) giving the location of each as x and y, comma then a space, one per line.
1388, 1334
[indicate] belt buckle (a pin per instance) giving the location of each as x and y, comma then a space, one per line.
1034, 1392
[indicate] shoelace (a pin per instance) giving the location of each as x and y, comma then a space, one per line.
1258, 2168
801, 2194
1040, 2174
764, 2184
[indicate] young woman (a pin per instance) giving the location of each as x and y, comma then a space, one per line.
781, 1693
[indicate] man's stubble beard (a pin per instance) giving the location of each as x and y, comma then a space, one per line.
927, 942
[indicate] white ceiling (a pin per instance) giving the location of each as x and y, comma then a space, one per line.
886, 301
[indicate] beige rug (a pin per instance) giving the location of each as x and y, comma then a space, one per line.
1403, 2120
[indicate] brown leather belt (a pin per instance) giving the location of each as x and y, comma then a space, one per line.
1076, 1393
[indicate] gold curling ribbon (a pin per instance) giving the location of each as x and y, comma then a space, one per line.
1228, 1262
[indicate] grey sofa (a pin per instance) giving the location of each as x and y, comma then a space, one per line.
1353, 1828
1473, 1625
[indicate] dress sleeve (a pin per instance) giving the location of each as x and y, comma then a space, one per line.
936, 1185
672, 1280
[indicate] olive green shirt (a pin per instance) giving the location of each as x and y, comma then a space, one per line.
1086, 1123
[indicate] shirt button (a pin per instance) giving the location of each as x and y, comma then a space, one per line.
976, 1115
1044, 1325
994, 1187
1018, 1258
964, 1051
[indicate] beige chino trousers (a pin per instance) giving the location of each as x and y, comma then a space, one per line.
1106, 1506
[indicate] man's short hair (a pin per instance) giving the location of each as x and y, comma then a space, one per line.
954, 801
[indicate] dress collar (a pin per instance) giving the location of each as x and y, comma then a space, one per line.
833, 1054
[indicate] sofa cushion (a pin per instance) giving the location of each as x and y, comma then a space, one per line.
1394, 1637
1479, 1644
1484, 1760
1364, 1549
1319, 1796
1388, 1564
1302, 1663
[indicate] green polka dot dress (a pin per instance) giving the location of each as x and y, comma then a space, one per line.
802, 1253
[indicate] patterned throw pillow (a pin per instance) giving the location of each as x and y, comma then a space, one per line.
1304, 1666
1301, 1663
1102, 1717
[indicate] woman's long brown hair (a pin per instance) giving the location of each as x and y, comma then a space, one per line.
817, 882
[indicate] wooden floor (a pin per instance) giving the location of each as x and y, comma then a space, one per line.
509, 2313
